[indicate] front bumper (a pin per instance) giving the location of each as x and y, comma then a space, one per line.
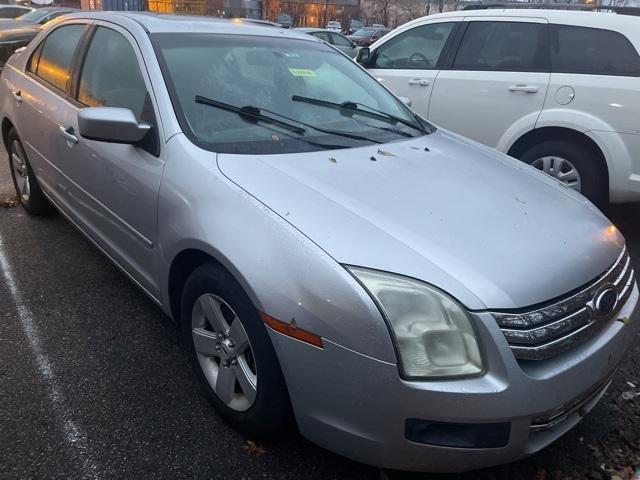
358, 406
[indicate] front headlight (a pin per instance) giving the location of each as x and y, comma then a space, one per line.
433, 334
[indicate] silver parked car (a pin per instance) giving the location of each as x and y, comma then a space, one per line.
334, 38
413, 299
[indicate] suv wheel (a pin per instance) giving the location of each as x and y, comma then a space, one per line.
27, 188
573, 164
232, 354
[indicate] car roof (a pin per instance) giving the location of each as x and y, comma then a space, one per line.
172, 23
56, 9
312, 30
566, 17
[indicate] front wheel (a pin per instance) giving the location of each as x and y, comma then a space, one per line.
232, 354
573, 164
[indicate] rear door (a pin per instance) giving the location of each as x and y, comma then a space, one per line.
41, 94
595, 73
497, 79
408, 62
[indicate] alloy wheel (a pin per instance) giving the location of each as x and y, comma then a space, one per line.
224, 352
561, 169
20, 171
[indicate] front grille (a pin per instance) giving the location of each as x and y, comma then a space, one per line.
547, 331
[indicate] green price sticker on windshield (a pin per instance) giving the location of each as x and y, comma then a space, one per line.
302, 72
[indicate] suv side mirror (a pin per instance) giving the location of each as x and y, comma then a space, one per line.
364, 56
110, 124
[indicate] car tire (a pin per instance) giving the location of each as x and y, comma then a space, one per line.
593, 175
27, 187
211, 292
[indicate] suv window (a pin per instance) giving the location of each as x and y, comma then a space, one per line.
418, 48
56, 54
505, 46
592, 51
111, 74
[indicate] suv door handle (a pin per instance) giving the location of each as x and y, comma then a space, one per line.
523, 88
17, 96
68, 134
422, 82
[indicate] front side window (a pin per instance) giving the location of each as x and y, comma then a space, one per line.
303, 84
56, 55
503, 46
340, 41
418, 48
111, 76
322, 36
592, 51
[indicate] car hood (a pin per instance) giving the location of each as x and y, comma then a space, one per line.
489, 230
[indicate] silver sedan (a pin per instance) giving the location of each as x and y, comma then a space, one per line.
409, 298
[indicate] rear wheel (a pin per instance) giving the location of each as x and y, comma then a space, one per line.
573, 164
232, 354
27, 188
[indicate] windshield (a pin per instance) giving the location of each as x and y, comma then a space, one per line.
280, 80
33, 16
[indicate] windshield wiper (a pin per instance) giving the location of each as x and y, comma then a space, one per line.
250, 114
350, 107
254, 114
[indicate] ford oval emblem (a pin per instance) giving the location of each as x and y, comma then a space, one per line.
605, 301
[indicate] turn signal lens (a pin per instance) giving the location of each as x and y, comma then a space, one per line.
292, 330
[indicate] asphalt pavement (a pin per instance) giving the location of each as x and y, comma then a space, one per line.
94, 382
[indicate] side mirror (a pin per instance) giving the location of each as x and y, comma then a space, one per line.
364, 56
110, 124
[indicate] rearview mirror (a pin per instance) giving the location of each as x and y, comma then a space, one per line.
110, 124
363, 57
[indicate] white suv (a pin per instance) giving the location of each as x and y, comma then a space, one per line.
559, 90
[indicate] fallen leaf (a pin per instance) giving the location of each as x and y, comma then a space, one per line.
384, 153
254, 448
8, 201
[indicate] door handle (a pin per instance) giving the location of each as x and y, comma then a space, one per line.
422, 82
523, 88
17, 96
68, 134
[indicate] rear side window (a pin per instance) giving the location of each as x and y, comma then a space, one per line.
592, 51
56, 55
418, 48
503, 46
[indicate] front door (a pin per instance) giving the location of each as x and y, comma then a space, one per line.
112, 189
408, 63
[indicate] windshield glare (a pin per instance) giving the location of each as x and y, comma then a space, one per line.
266, 73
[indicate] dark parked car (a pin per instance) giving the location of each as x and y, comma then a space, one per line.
19, 32
367, 35
10, 12
336, 39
